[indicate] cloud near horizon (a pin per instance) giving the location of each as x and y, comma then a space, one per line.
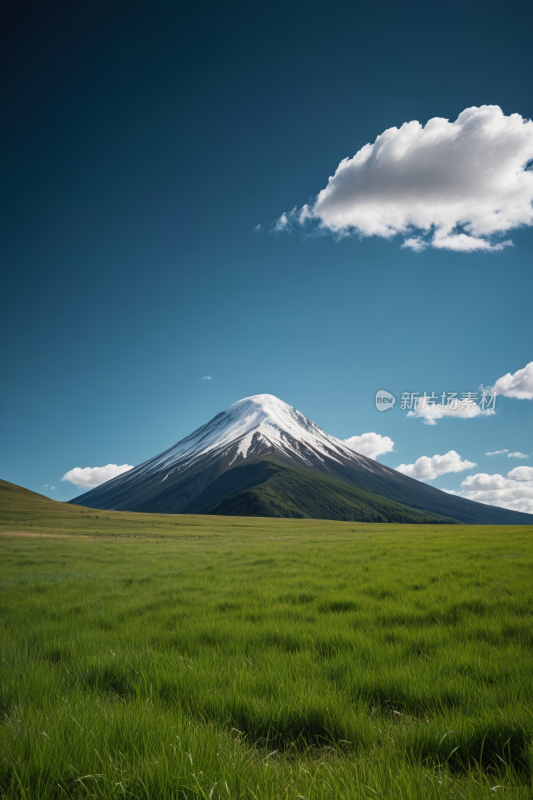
370, 444
427, 469
447, 185
89, 477
514, 492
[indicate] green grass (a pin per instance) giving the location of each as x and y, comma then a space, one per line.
197, 657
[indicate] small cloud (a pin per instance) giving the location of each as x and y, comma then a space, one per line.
427, 469
282, 223
370, 444
207, 378
52, 487
518, 384
415, 244
258, 229
89, 477
465, 409
496, 452
517, 455
45, 486
521, 474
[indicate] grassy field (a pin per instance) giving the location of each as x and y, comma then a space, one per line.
211, 657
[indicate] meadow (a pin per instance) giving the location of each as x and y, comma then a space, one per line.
183, 657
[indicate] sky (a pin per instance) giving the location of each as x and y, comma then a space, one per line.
203, 202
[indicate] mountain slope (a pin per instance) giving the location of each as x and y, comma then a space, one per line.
264, 427
268, 489
12, 495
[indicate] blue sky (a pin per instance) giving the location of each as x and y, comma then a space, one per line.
143, 144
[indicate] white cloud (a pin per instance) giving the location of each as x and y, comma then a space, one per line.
496, 452
52, 487
89, 477
519, 385
258, 228
517, 455
514, 492
370, 444
415, 244
427, 469
449, 185
521, 474
282, 223
465, 409
207, 378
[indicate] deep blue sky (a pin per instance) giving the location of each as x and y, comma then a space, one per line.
143, 142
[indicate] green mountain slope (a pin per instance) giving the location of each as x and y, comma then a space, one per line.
269, 489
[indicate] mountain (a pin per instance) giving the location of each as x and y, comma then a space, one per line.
262, 457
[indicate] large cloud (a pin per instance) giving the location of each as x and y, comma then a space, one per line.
519, 385
514, 492
89, 477
370, 444
451, 185
427, 469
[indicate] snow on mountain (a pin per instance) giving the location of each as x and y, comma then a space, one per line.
251, 427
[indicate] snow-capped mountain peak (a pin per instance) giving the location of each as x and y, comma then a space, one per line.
252, 427
257, 426
266, 413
